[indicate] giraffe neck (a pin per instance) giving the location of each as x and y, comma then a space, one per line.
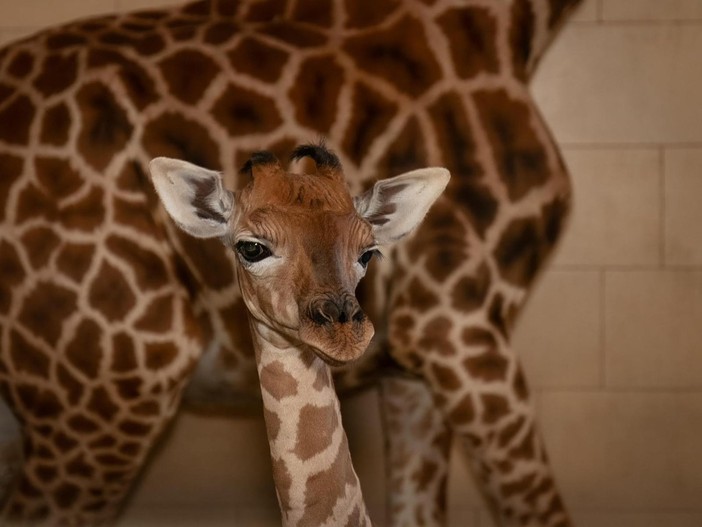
312, 468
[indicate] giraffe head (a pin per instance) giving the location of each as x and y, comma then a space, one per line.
302, 241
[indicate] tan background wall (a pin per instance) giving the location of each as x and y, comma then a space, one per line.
612, 339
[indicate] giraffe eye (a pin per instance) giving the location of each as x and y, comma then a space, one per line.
366, 258
252, 251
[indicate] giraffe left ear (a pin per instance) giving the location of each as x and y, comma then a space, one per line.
395, 207
193, 196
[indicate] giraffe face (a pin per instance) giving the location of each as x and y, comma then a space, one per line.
302, 242
302, 249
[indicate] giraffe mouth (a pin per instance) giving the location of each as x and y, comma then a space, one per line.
337, 343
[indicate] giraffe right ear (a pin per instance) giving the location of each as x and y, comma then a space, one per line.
193, 196
394, 207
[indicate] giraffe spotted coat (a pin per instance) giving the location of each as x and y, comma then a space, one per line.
107, 310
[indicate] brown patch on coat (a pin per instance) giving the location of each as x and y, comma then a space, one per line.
11, 273
315, 92
40, 244
272, 423
133, 215
45, 473
160, 355
131, 388
406, 152
277, 381
149, 269
20, 112
101, 404
258, 59
420, 297
316, 12
209, 262
370, 117
21, 65
188, 73
219, 33
265, 10
446, 378
521, 251
158, 315
45, 310
56, 125
435, 336
74, 260
471, 32
244, 112
517, 150
105, 127
495, 408
521, 34
66, 495
135, 428
38, 402
57, 176
123, 354
59, 72
441, 240
398, 54
172, 135
79, 467
315, 429
110, 293
470, 292
82, 424
463, 412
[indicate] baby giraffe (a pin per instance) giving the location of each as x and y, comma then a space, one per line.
302, 244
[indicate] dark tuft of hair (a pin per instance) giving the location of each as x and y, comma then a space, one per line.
322, 156
258, 158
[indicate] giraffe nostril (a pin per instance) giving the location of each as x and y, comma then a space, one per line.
352, 311
358, 316
342, 311
324, 312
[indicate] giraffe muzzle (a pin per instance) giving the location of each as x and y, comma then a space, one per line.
336, 328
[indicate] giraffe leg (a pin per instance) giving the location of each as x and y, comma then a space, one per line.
91, 415
417, 446
483, 394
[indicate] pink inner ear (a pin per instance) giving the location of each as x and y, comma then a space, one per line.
382, 198
204, 199
381, 216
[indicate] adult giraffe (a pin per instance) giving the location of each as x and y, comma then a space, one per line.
106, 308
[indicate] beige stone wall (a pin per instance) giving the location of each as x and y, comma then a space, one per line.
612, 338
